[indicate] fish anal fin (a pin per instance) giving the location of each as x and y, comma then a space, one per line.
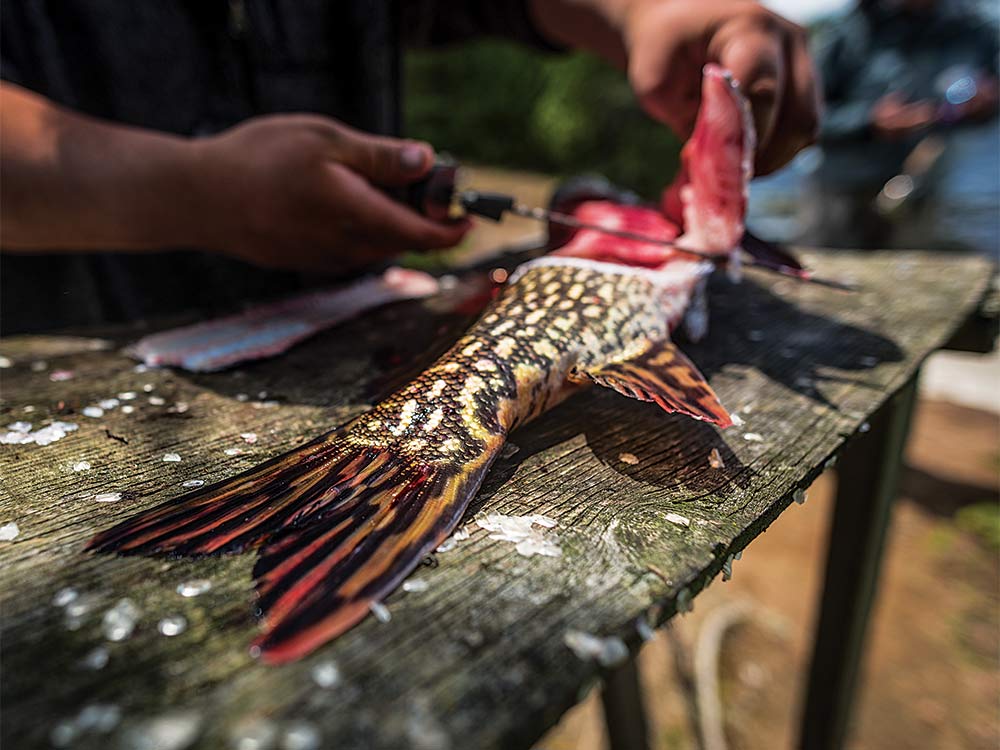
660, 373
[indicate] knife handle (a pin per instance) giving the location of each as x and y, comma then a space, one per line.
434, 195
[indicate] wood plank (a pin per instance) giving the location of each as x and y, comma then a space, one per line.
478, 659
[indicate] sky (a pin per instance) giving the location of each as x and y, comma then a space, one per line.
804, 11
807, 11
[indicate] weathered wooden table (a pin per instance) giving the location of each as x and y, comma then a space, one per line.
478, 659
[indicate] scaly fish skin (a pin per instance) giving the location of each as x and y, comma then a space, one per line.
556, 316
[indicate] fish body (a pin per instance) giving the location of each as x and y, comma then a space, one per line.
558, 318
340, 521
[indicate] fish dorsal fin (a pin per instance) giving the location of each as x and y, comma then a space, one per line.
660, 373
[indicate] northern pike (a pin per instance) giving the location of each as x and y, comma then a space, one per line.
340, 521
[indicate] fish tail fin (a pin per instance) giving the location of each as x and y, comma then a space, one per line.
340, 523
236, 514
316, 582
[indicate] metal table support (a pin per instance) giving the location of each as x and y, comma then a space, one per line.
624, 713
867, 480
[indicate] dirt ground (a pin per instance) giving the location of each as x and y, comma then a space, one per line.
930, 677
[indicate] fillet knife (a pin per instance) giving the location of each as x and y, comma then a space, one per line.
438, 197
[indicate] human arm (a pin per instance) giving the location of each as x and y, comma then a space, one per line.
857, 109
663, 45
290, 191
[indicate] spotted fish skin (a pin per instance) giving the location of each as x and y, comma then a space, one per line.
420, 455
516, 360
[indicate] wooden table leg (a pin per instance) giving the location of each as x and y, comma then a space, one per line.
624, 712
867, 479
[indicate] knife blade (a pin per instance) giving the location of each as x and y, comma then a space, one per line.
493, 206
437, 197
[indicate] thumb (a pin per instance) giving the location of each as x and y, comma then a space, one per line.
382, 160
756, 59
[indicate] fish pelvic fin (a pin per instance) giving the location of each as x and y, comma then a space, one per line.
339, 523
660, 373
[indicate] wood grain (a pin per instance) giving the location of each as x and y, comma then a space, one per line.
478, 659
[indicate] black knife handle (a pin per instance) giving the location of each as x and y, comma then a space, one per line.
433, 195
490, 206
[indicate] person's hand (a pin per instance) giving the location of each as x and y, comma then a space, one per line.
667, 42
893, 118
299, 192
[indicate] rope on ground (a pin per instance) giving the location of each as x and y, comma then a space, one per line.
706, 670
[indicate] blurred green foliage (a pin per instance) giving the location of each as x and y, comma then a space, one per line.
496, 103
983, 520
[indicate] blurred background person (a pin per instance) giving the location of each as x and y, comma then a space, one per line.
900, 78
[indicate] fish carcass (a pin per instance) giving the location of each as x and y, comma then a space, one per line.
342, 520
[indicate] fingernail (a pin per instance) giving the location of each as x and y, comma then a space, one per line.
413, 157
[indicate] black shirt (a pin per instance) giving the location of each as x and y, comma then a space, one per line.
195, 67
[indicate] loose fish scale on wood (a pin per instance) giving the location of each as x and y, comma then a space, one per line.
342, 520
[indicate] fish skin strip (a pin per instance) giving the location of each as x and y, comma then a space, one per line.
271, 329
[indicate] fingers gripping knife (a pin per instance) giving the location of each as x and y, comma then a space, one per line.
439, 197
